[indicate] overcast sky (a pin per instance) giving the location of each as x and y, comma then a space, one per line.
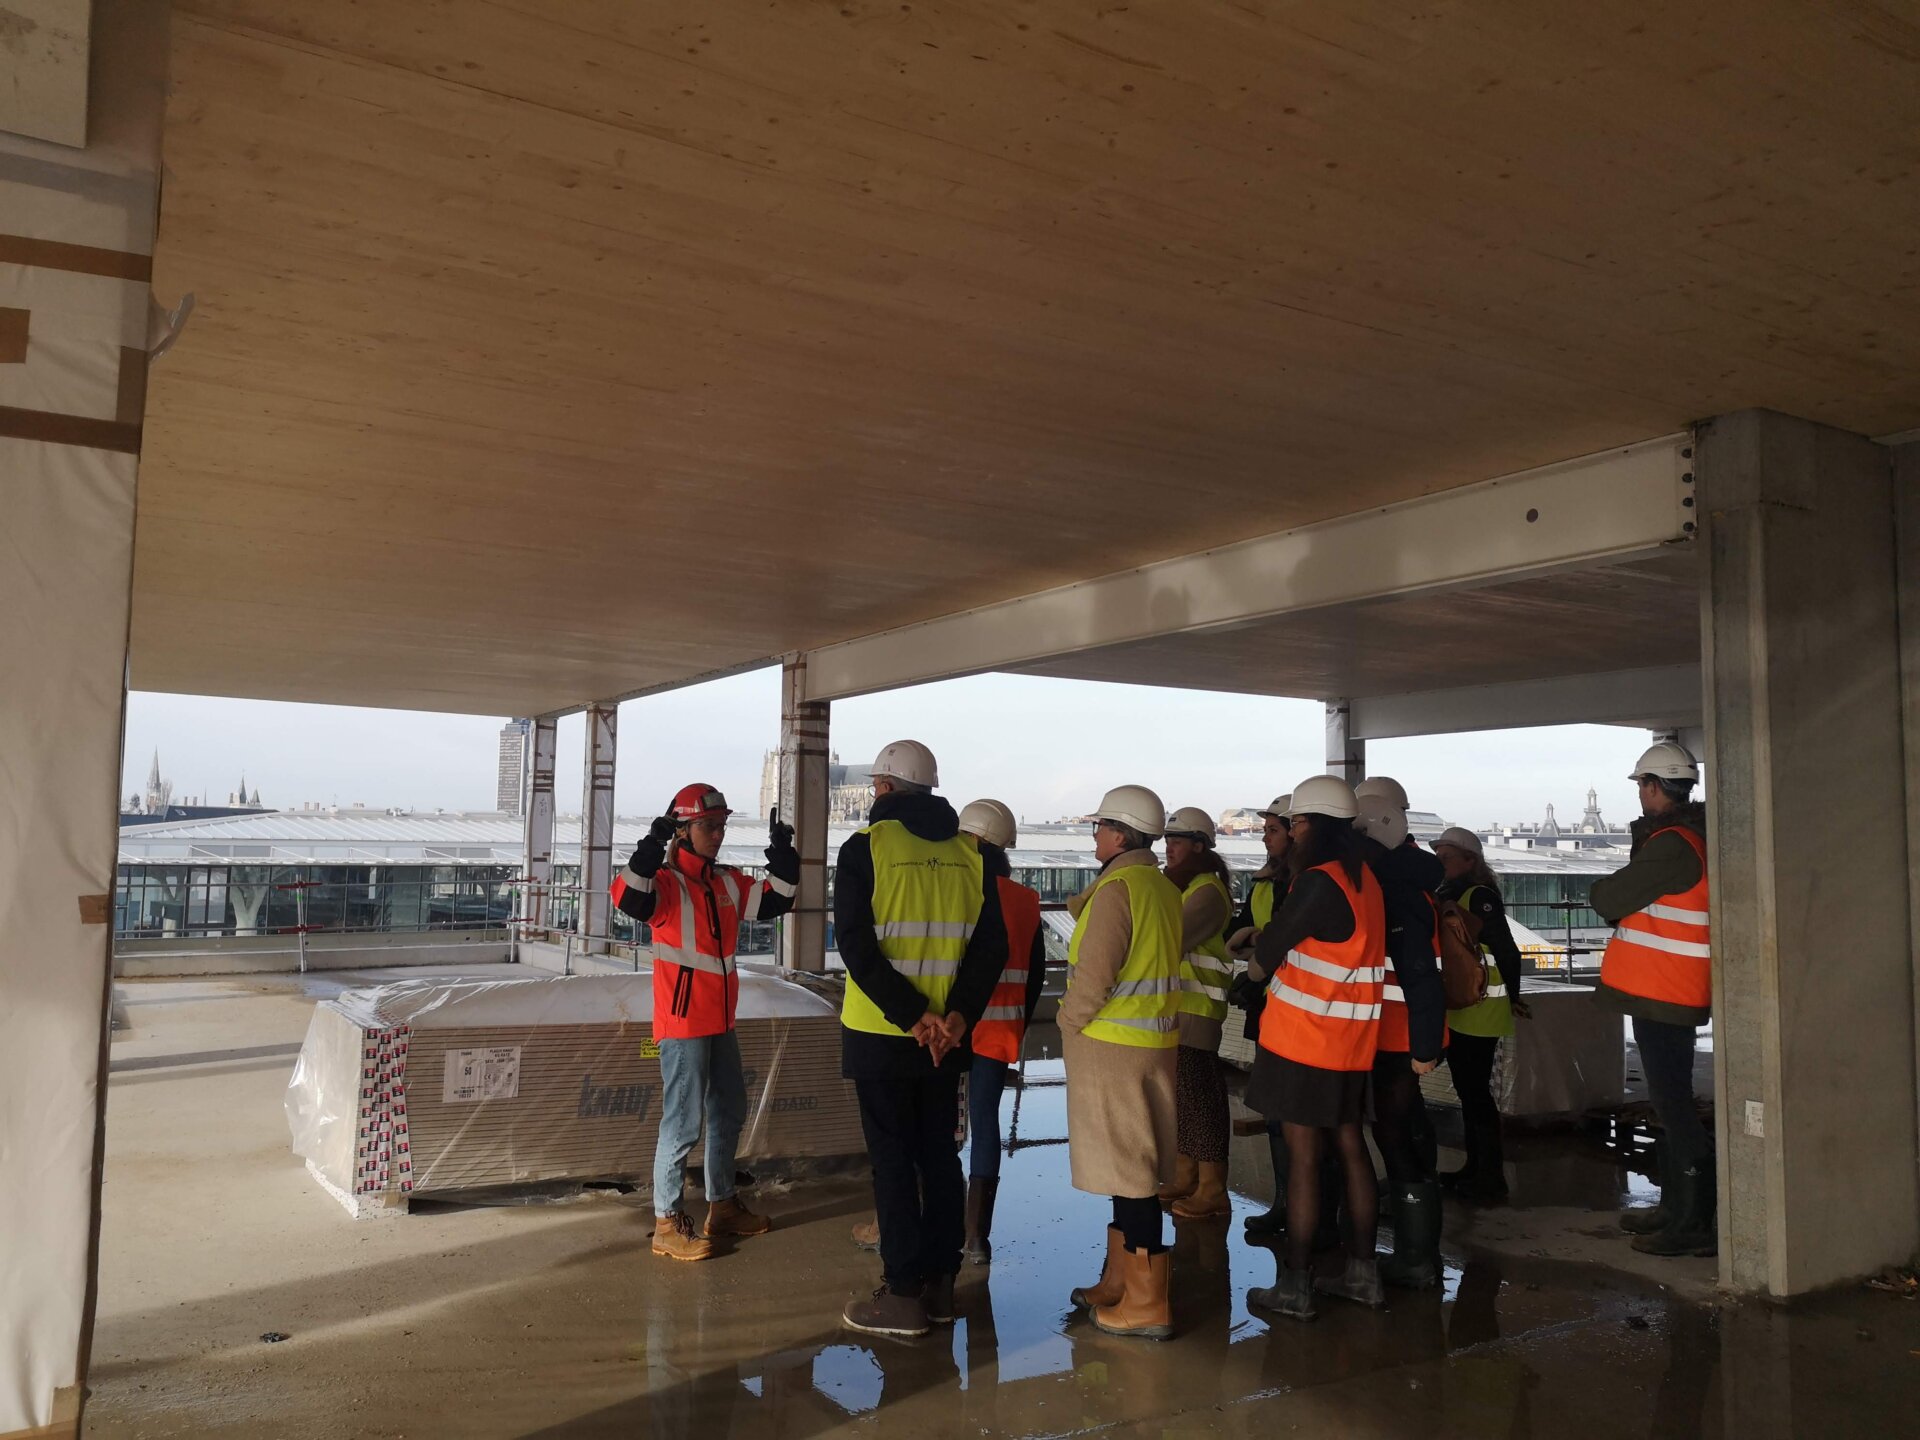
1046, 747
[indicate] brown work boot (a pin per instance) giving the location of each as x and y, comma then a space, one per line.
1144, 1307
867, 1234
731, 1218
1186, 1175
1107, 1289
885, 1313
675, 1238
1209, 1200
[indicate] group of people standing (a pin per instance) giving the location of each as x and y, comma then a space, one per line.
1341, 937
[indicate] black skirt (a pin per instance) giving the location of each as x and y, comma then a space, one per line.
1289, 1093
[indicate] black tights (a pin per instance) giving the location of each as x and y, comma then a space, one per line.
1398, 1116
1304, 1145
1138, 1222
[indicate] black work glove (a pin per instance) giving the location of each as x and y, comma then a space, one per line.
651, 853
783, 861
1244, 991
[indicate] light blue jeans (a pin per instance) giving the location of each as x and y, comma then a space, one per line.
701, 1082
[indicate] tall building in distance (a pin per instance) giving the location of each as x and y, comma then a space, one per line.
849, 789
510, 792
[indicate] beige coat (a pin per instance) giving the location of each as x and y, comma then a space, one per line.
1121, 1133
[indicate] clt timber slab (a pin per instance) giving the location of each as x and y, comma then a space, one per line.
438, 1087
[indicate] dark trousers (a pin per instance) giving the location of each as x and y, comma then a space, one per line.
986, 1082
1470, 1058
1666, 1054
918, 1190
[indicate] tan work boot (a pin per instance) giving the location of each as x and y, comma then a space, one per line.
731, 1218
867, 1234
1145, 1307
1209, 1200
674, 1237
1186, 1175
1107, 1289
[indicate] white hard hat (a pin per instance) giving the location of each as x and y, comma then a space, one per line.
1135, 806
1327, 795
1381, 819
1460, 838
907, 760
1191, 820
991, 821
1383, 785
1667, 761
1281, 807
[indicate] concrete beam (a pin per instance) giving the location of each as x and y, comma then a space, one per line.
1660, 697
1624, 503
1814, 1036
596, 827
536, 883
1346, 751
803, 804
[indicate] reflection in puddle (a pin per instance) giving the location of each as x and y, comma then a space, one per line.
850, 1377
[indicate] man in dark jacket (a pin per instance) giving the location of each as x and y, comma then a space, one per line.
918, 926
1658, 971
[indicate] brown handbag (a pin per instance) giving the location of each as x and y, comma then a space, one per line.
1463, 969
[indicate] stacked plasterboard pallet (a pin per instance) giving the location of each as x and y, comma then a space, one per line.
434, 1087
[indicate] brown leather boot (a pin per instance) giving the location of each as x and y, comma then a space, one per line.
1186, 1175
674, 1237
732, 1219
1145, 1307
1209, 1200
1107, 1289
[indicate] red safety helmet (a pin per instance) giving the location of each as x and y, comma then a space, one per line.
697, 802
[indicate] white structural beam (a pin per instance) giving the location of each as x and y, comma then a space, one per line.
537, 857
596, 827
1609, 507
803, 805
1346, 747
1661, 697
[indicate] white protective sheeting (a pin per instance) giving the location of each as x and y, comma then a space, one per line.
66, 538
430, 1086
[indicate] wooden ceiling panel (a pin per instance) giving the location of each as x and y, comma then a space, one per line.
551, 352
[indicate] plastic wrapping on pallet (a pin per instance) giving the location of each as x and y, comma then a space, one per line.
449, 1085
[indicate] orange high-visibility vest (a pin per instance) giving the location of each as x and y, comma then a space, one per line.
1394, 1033
1003, 1024
1323, 1005
696, 929
1665, 952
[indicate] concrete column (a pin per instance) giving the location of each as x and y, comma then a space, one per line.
596, 827
246, 901
1346, 752
82, 95
1906, 501
1813, 972
536, 858
803, 805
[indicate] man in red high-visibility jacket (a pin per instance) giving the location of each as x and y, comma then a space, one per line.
695, 907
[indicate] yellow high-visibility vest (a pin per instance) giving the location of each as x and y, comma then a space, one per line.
1207, 969
926, 900
1141, 1008
1261, 902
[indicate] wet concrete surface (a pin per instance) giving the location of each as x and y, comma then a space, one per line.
556, 1321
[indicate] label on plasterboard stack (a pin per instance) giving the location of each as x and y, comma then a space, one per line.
491, 1072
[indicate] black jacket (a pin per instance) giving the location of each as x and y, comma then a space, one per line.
868, 1056
1410, 921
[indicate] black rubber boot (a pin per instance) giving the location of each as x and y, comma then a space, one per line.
1694, 1226
1415, 1262
1273, 1224
1291, 1295
978, 1249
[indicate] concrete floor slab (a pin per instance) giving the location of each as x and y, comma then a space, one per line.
555, 1321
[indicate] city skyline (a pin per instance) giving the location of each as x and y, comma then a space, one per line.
1049, 748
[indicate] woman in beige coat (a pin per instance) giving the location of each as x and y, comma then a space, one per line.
1118, 1031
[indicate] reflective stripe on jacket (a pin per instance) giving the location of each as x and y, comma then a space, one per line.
1665, 952
1141, 1007
1207, 969
1323, 1005
927, 896
1003, 1024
